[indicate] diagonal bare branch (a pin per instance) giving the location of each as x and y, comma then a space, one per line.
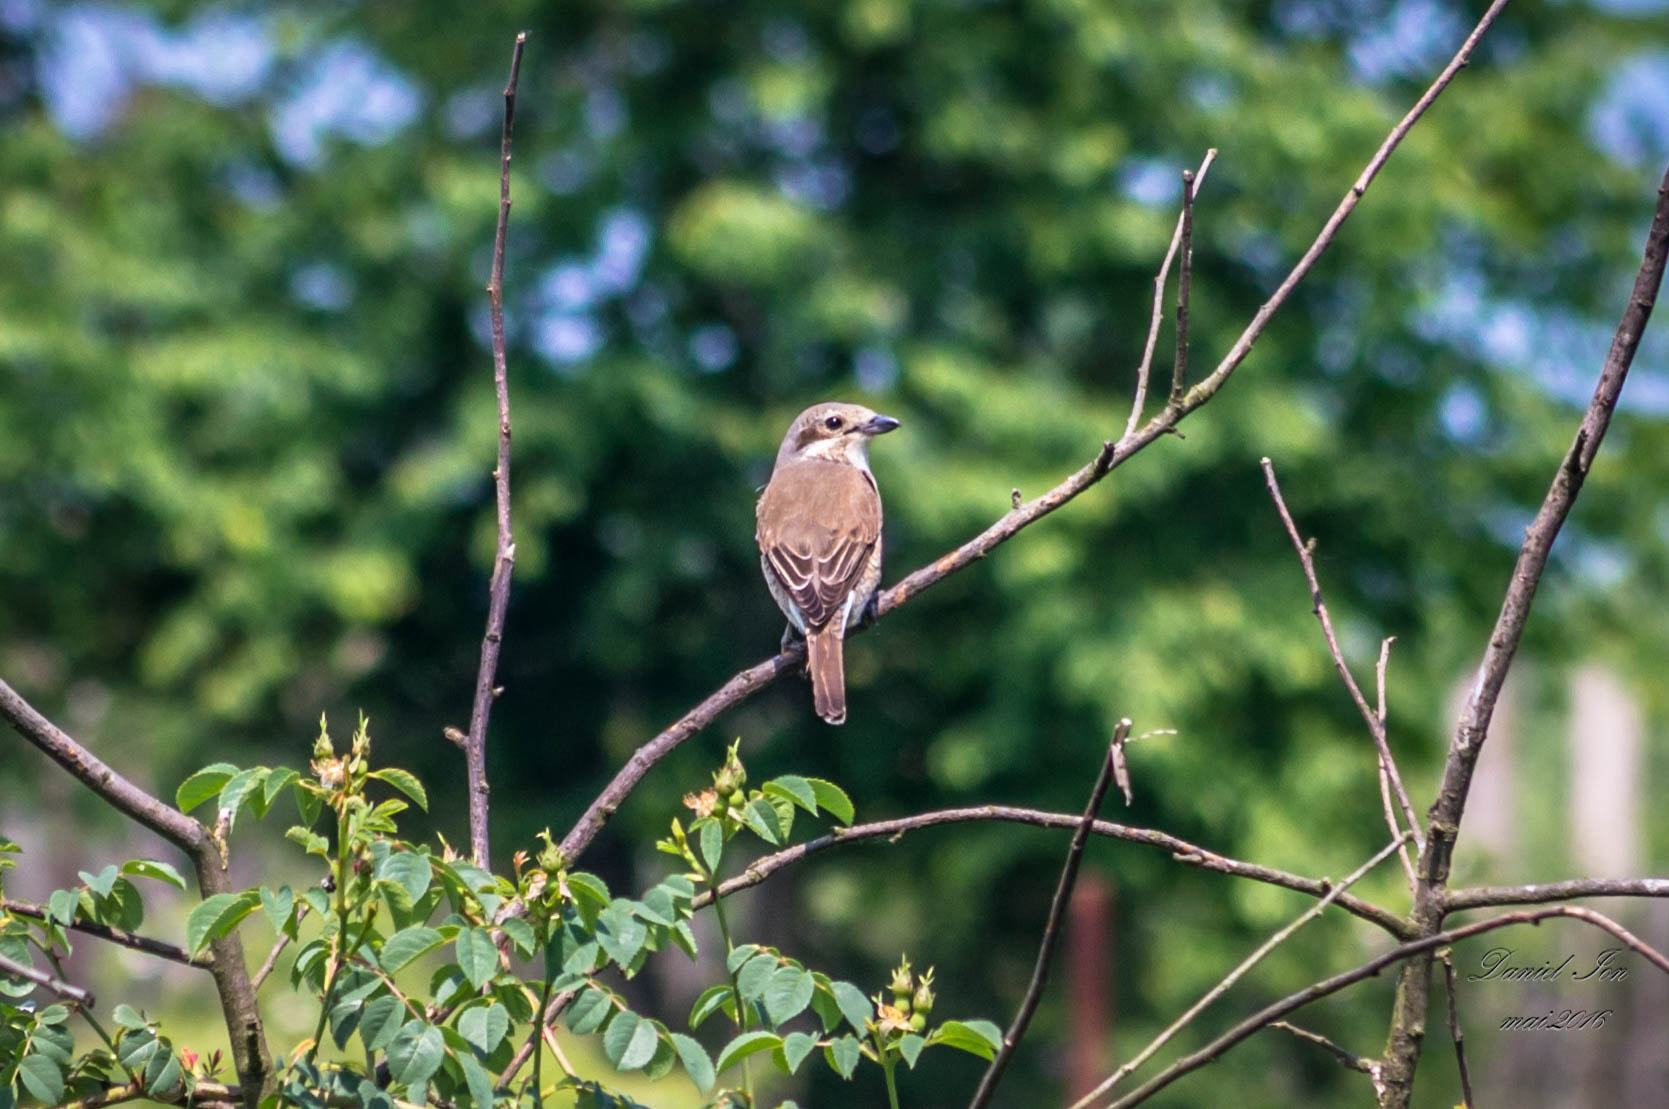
1345, 1056
1051, 930
115, 935
45, 981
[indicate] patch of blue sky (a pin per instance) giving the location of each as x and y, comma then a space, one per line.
345, 90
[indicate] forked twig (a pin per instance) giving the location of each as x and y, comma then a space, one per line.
1051, 930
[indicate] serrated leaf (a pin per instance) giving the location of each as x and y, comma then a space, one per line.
310, 841
755, 975
53, 1014
656, 907
406, 782
589, 888
854, 1006
788, 993
909, 1046
278, 905
381, 1021
621, 934
479, 1083
823, 1002
696, 1062
843, 1055
276, 782
217, 916
485, 1026
792, 787
150, 868
204, 784
521, 934
630, 1041
237, 790
976, 1037
738, 956
832, 799
588, 1011
712, 845
407, 869
308, 803
42, 1077
61, 906
763, 818
748, 1043
712, 999
163, 1075
795, 1047
416, 1054
128, 1017
407, 944
101, 882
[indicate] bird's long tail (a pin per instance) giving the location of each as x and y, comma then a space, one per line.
825, 658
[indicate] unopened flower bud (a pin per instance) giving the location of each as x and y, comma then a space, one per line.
924, 993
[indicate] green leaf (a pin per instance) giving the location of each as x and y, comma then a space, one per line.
755, 975
53, 1014
308, 803
217, 916
823, 1001
278, 905
696, 1062
712, 999
854, 1006
976, 1037
416, 1054
407, 869
407, 944
204, 784
656, 907
738, 956
843, 1055
762, 817
832, 799
237, 790
590, 889
485, 1026
477, 955
101, 882
630, 1041
788, 993
792, 787
588, 1011
795, 1047
311, 842
163, 1074
479, 1083
909, 1046
621, 934
150, 868
128, 1017
42, 1077
61, 906
276, 782
381, 1021
748, 1043
712, 845
404, 781
521, 934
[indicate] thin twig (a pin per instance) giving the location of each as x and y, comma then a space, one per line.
1110, 457
115, 935
1326, 986
1181, 850
202, 1093
475, 750
1184, 274
1051, 930
278, 948
1455, 1033
1238, 972
1376, 724
552, 1011
46, 981
1349, 1058
1483, 897
1140, 400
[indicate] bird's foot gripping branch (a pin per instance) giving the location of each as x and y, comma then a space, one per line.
435, 981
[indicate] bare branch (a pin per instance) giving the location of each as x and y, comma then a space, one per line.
552, 1011
1349, 1058
1051, 930
115, 935
1483, 897
1455, 1033
1185, 272
45, 981
1326, 986
1375, 721
1140, 401
1109, 458
1181, 850
203, 1093
1443, 822
498, 602
1239, 972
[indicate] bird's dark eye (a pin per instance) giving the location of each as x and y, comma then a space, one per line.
832, 423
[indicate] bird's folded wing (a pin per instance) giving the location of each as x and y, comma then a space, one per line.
818, 523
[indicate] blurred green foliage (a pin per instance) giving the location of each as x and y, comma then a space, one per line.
246, 419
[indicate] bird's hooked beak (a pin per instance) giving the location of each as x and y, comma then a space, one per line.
878, 425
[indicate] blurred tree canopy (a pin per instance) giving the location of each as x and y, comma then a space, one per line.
246, 416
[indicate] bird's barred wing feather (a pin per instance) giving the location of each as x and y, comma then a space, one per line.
818, 524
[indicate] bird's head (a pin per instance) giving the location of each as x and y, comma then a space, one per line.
834, 433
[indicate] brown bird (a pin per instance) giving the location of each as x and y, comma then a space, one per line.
819, 535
